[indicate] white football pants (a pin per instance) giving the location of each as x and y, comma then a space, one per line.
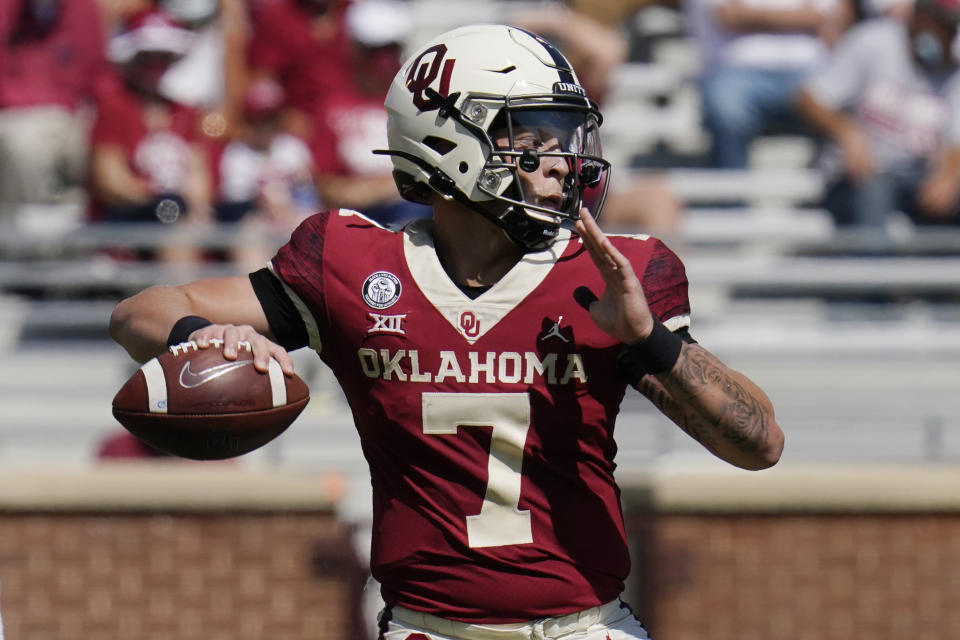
612, 621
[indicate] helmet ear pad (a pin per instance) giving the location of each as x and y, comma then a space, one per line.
412, 189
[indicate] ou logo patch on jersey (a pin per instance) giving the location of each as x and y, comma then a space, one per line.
470, 324
381, 289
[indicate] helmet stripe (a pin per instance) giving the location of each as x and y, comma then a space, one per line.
560, 63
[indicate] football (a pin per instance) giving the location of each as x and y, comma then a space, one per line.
194, 403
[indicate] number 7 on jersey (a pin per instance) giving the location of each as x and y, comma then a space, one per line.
500, 521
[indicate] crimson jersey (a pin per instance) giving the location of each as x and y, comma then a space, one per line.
156, 143
308, 58
487, 423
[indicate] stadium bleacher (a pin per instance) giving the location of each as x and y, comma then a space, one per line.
858, 353
858, 349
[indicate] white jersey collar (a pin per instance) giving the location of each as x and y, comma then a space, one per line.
473, 318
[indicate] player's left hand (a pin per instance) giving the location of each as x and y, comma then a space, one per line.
622, 309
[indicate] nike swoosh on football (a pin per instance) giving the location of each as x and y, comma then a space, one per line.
190, 379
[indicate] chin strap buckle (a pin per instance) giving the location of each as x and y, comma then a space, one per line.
442, 183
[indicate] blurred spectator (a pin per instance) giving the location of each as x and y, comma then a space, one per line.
146, 164
266, 176
597, 49
352, 122
900, 9
266, 169
212, 75
51, 53
304, 45
594, 48
889, 100
123, 445
754, 56
615, 13
115, 13
643, 202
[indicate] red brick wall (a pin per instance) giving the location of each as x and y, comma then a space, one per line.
793, 576
727, 557
176, 576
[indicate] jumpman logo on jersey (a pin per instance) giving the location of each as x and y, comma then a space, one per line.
555, 331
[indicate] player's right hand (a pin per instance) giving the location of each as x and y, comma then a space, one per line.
621, 310
232, 335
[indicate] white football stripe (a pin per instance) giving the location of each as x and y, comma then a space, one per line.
278, 384
677, 322
156, 386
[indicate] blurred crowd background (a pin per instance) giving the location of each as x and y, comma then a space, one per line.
256, 113
802, 156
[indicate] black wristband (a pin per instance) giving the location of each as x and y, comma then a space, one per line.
657, 354
183, 327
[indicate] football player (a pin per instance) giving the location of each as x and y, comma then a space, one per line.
483, 371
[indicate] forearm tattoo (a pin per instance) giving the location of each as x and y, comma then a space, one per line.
741, 419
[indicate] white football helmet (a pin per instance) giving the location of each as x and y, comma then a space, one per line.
454, 92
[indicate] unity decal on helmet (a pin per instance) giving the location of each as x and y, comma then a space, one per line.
569, 87
423, 73
381, 289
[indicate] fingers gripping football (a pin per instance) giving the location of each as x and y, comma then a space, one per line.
231, 336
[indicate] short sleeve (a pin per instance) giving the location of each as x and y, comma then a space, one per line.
114, 123
323, 146
666, 288
299, 267
269, 46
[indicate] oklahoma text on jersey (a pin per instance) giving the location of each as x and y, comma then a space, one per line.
508, 367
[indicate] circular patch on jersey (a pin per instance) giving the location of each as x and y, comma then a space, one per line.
381, 289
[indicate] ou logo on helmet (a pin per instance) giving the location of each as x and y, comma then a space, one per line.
424, 71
